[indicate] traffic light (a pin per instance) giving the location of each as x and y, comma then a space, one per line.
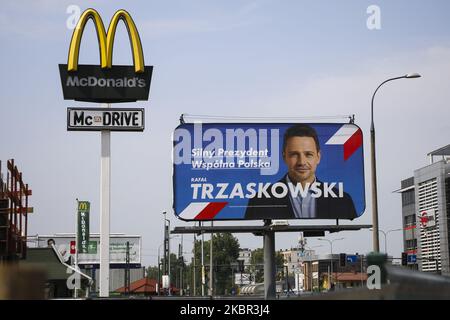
404, 259
342, 260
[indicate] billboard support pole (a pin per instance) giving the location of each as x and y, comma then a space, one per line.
211, 270
195, 270
105, 201
203, 262
269, 262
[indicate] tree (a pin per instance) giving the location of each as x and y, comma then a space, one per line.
225, 252
152, 272
257, 263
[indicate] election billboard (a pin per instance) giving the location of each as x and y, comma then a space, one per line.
254, 171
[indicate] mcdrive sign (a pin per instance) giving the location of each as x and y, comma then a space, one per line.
253, 171
105, 83
114, 119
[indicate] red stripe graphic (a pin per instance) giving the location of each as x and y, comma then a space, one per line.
210, 211
352, 144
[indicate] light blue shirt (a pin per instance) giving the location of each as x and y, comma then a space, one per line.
303, 207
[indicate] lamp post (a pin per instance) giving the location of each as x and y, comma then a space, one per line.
385, 237
376, 240
159, 272
159, 259
168, 245
331, 248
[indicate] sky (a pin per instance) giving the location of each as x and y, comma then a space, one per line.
229, 58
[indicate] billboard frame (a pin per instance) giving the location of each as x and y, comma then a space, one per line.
183, 122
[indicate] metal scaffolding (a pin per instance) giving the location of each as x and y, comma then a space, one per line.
14, 212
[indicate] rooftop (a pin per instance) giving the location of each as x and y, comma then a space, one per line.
444, 151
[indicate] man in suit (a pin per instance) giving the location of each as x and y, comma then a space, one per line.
301, 153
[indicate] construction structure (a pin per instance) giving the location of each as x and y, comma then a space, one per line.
14, 210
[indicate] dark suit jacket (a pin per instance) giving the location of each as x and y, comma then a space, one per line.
281, 208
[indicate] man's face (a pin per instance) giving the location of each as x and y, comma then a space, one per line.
301, 157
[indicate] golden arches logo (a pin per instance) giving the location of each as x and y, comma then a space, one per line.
106, 39
83, 206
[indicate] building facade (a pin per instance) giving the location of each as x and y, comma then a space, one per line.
316, 271
89, 263
425, 214
291, 259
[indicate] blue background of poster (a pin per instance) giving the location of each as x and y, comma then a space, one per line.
332, 168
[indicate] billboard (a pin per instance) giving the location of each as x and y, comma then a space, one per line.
228, 171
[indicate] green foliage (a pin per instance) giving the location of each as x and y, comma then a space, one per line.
152, 272
257, 264
225, 253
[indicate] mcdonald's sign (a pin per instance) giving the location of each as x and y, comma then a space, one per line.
105, 83
83, 226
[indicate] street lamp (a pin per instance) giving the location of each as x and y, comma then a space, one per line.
385, 236
159, 260
331, 246
168, 245
159, 272
376, 240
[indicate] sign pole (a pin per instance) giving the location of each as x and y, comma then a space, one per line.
75, 262
105, 201
211, 269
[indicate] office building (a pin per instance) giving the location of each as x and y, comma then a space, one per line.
425, 214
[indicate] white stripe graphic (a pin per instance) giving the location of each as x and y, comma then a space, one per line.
343, 134
192, 210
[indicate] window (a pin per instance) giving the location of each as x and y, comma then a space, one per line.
411, 244
410, 220
408, 198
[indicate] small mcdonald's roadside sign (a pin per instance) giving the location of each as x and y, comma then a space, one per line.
83, 226
105, 83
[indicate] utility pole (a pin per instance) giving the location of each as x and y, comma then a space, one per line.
127, 269
75, 293
167, 249
203, 263
180, 266
195, 258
